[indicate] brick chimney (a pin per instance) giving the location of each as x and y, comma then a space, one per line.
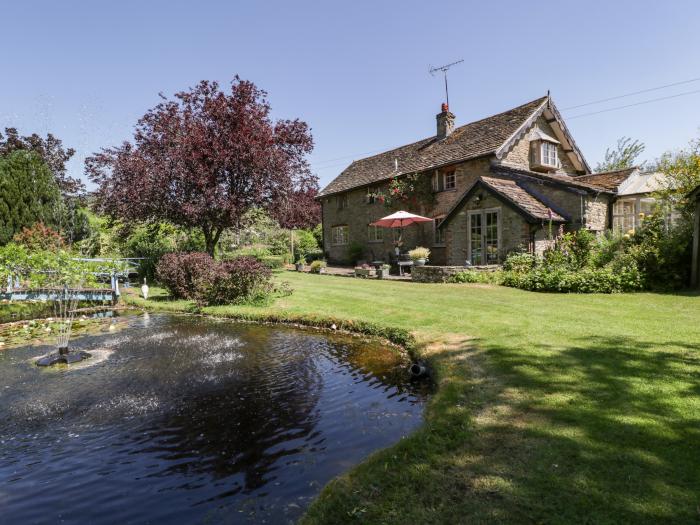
445, 122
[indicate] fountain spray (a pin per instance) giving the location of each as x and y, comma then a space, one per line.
65, 301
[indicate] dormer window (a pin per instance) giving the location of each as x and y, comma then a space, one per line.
543, 151
549, 154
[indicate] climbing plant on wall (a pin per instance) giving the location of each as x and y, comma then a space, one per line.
414, 189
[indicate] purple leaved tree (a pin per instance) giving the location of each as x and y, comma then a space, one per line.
206, 157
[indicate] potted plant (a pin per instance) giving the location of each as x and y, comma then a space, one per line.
364, 271
419, 255
383, 271
300, 264
318, 267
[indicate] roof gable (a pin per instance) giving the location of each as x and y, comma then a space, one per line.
640, 183
552, 116
513, 194
476, 139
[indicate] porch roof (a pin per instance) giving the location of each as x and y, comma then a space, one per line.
512, 194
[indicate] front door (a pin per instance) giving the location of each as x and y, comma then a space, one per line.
484, 237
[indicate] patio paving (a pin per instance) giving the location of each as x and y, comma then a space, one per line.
349, 271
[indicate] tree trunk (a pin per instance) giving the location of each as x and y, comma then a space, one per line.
211, 239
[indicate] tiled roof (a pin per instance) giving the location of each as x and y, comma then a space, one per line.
609, 180
517, 194
556, 178
476, 139
522, 199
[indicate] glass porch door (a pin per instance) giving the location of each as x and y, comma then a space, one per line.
483, 237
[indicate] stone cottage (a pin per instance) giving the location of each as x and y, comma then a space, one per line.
500, 184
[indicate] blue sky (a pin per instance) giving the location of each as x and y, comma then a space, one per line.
357, 72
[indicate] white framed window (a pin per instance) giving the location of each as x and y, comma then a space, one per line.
647, 206
342, 201
444, 181
624, 215
340, 235
375, 233
626, 212
549, 154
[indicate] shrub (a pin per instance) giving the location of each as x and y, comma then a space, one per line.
244, 279
318, 234
151, 241
198, 277
39, 237
255, 250
355, 252
49, 268
519, 262
587, 280
419, 253
474, 276
662, 252
316, 266
315, 255
273, 262
180, 273
304, 242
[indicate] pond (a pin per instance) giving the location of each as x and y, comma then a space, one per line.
180, 419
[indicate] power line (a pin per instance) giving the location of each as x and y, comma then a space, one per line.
632, 94
635, 104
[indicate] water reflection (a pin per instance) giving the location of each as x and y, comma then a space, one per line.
214, 420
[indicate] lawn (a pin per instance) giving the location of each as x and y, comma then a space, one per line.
549, 408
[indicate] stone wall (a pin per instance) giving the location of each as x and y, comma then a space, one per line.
359, 214
434, 274
597, 212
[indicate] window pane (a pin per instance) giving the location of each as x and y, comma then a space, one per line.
647, 206
491, 235
475, 239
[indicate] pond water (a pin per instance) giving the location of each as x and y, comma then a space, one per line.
181, 419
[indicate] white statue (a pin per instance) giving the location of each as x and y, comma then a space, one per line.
144, 289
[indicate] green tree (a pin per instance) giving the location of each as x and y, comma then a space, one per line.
28, 194
682, 175
624, 155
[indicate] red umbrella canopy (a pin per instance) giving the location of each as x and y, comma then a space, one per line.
400, 219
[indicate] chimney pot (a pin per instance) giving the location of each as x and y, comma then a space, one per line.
445, 122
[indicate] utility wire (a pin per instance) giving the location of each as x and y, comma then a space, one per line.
635, 104
632, 94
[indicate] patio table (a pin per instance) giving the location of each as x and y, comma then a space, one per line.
402, 264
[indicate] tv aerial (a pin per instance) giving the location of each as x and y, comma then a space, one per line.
444, 70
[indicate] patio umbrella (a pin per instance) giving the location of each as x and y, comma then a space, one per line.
399, 220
